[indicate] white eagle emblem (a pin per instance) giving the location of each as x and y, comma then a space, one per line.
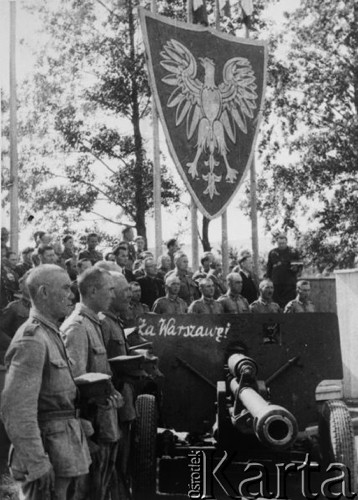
210, 108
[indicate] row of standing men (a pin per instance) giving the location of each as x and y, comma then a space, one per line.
61, 450
55, 447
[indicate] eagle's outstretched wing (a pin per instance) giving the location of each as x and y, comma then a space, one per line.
181, 64
238, 92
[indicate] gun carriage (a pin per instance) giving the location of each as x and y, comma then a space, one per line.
239, 390
244, 389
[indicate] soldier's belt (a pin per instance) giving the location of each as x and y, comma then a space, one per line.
58, 415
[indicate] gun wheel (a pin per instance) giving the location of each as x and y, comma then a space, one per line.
336, 436
143, 459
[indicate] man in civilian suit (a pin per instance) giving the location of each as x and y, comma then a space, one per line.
249, 285
152, 287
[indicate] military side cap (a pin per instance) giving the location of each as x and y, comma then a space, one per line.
132, 366
146, 354
93, 385
146, 345
150, 362
135, 339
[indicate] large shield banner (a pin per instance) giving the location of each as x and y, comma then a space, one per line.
209, 89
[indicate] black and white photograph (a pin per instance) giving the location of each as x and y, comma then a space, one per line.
179, 249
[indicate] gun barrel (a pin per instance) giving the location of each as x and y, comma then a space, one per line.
273, 425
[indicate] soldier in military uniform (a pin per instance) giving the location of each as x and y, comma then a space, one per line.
206, 260
265, 303
206, 304
116, 345
171, 303
188, 289
38, 407
302, 302
84, 341
216, 276
233, 302
135, 308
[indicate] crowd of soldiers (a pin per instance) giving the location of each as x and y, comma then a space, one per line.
65, 318
163, 287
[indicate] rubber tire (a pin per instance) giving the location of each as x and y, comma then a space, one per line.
336, 437
143, 460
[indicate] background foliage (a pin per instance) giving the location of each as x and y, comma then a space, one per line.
82, 111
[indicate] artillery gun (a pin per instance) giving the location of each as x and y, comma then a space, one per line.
273, 425
242, 391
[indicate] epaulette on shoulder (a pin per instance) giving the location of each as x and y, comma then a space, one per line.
30, 329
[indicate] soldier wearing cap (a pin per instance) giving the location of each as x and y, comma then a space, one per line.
233, 302
206, 304
171, 303
282, 270
302, 302
84, 341
50, 451
265, 303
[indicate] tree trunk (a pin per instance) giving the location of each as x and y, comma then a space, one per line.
355, 54
138, 188
205, 239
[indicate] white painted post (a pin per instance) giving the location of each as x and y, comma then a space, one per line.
347, 308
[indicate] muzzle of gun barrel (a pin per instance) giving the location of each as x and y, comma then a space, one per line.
273, 425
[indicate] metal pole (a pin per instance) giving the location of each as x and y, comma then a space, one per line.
14, 205
224, 244
189, 13
224, 231
253, 200
193, 207
157, 196
254, 222
217, 15
194, 236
